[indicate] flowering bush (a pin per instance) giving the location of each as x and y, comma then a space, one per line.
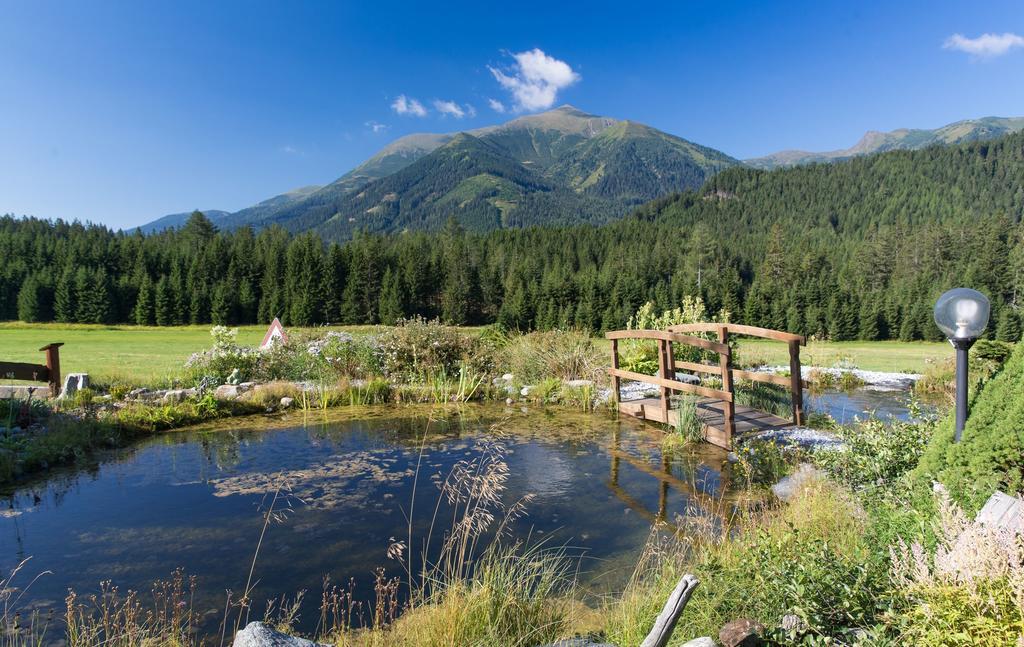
641, 355
224, 357
416, 349
969, 590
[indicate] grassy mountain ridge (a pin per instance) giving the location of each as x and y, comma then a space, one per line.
562, 166
559, 167
966, 130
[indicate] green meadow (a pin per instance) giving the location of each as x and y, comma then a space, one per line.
148, 354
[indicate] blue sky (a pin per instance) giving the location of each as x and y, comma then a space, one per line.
120, 112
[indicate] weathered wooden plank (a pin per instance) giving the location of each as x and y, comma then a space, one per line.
666, 621
616, 383
698, 368
22, 371
769, 378
740, 329
675, 385
1004, 512
668, 336
796, 384
728, 410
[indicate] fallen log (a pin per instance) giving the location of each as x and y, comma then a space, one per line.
666, 620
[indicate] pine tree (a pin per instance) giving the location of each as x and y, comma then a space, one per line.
220, 304
65, 306
163, 303
1009, 327
29, 308
392, 300
143, 312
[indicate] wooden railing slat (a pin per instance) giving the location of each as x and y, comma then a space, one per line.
675, 385
740, 329
769, 378
706, 344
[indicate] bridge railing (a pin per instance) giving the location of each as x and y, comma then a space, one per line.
668, 365
794, 381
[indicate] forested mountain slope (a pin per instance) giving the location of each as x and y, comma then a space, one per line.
563, 166
958, 132
855, 249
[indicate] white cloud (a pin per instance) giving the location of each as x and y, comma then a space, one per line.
496, 105
376, 127
290, 150
986, 45
404, 105
470, 110
450, 108
535, 80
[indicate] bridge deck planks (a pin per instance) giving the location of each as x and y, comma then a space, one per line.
711, 414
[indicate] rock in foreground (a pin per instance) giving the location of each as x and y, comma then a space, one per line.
257, 634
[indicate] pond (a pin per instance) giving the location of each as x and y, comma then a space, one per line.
846, 406
196, 499
193, 500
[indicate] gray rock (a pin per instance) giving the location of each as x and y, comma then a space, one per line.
792, 622
701, 642
688, 378
257, 634
509, 401
227, 392
525, 391
507, 377
579, 384
732, 457
174, 396
74, 382
286, 402
788, 486
134, 394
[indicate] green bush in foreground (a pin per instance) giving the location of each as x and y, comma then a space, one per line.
991, 454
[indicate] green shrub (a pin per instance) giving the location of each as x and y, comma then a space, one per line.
877, 452
991, 454
415, 349
561, 354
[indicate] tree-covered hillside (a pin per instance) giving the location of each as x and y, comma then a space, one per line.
858, 249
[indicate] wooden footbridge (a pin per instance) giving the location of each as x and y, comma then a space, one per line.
722, 418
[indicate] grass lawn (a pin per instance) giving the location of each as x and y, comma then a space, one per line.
139, 354
150, 354
888, 356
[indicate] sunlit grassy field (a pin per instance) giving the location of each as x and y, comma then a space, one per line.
152, 354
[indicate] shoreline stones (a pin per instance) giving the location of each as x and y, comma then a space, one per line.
257, 634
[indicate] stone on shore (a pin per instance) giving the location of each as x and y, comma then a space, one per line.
257, 634
227, 392
741, 633
73, 383
286, 402
703, 641
789, 486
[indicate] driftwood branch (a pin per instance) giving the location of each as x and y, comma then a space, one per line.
666, 621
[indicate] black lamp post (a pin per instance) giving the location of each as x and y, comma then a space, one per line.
962, 315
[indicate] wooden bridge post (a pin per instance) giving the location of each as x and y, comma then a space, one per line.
663, 374
728, 408
615, 364
796, 383
53, 367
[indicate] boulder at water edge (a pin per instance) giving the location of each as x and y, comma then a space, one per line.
257, 634
741, 633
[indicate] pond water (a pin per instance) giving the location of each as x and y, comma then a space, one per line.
195, 499
846, 406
